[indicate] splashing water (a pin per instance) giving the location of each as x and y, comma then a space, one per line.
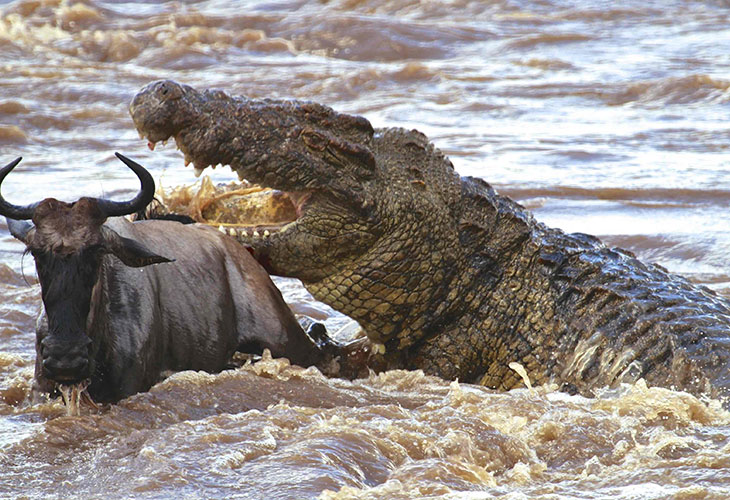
608, 118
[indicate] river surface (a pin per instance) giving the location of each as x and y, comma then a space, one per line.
609, 118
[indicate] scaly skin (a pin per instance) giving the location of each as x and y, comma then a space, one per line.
453, 278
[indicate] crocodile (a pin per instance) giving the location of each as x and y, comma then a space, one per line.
443, 273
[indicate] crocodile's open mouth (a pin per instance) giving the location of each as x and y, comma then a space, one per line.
244, 210
308, 209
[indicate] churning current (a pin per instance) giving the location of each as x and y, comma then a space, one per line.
608, 118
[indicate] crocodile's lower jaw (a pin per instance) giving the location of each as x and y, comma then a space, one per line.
246, 211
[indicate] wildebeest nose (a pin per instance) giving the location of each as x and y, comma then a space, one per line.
65, 361
66, 369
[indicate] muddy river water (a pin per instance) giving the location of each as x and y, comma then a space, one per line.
609, 118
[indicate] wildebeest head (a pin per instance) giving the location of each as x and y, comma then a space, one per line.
68, 242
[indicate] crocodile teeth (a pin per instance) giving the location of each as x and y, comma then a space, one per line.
164, 143
266, 233
256, 234
232, 232
198, 171
243, 232
187, 160
222, 229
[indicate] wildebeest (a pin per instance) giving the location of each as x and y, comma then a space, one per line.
113, 318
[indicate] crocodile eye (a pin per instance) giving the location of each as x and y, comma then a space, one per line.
314, 140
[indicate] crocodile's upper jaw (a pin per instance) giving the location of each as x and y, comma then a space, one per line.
263, 143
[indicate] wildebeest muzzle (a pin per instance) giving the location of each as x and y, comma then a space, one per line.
65, 361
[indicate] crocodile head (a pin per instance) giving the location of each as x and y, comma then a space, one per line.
370, 236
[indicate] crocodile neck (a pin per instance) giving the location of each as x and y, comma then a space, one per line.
498, 302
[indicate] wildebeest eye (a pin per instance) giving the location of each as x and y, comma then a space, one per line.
92, 249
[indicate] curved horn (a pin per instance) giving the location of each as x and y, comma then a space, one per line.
19, 228
9, 210
143, 198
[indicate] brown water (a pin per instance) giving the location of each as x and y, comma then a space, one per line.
603, 117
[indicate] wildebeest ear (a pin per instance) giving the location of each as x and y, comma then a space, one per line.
135, 254
131, 252
19, 228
